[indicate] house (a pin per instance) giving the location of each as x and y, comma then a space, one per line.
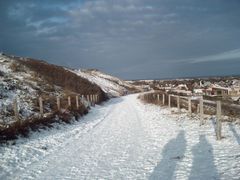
198, 91
182, 92
145, 88
234, 92
182, 87
208, 91
220, 91
165, 88
224, 91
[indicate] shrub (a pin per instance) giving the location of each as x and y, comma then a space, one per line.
16, 67
1, 74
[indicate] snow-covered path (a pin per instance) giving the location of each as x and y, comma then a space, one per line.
125, 139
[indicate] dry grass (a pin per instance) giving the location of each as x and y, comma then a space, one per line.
16, 67
34, 123
57, 75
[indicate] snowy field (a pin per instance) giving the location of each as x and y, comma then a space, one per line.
125, 139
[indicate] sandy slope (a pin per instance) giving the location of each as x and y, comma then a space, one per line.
125, 139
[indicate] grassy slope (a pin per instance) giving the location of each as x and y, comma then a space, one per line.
49, 81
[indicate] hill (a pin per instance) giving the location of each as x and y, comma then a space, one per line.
24, 80
112, 86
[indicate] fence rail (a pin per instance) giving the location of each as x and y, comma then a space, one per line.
192, 105
59, 102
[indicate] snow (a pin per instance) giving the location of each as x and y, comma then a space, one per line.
113, 86
14, 85
126, 139
4, 66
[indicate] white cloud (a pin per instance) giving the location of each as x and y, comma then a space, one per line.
228, 55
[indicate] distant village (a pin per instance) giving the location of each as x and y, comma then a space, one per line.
225, 88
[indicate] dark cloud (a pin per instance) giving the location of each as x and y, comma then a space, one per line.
128, 38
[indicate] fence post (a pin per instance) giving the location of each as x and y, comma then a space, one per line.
96, 101
189, 106
92, 99
90, 96
89, 100
82, 99
178, 103
69, 101
219, 122
77, 101
163, 99
169, 101
15, 108
96, 98
58, 104
41, 106
201, 110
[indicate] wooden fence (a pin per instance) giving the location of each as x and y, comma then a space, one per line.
86, 100
186, 103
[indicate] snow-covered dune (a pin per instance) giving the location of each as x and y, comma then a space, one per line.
111, 85
24, 80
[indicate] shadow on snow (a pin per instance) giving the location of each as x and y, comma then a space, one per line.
203, 166
203, 161
236, 135
172, 153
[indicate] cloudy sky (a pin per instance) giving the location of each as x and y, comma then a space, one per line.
132, 39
